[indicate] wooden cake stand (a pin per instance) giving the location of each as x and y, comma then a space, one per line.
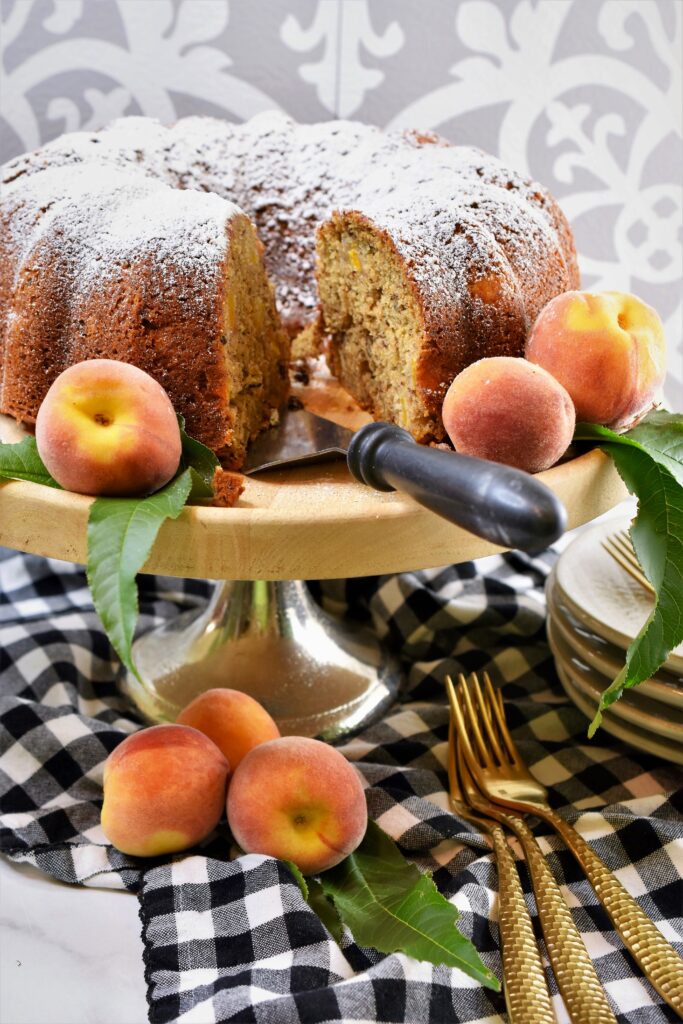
261, 631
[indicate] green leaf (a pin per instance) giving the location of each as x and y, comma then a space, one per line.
649, 459
312, 891
661, 434
298, 877
201, 460
325, 909
121, 532
199, 489
22, 462
389, 905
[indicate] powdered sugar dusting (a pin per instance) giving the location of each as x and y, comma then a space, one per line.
454, 213
105, 218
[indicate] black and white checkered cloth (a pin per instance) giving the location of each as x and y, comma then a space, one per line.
233, 940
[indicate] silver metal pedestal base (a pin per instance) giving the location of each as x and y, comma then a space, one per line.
315, 675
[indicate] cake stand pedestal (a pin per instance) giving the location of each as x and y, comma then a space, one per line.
316, 676
261, 632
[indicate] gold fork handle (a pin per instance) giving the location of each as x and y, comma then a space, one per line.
526, 992
658, 960
577, 980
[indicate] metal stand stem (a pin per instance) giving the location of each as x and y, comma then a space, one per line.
317, 676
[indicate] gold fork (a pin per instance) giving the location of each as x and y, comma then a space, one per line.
619, 546
504, 778
577, 979
526, 993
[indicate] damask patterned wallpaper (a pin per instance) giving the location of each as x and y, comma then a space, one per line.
585, 95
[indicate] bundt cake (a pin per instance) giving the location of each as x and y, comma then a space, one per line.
103, 262
404, 257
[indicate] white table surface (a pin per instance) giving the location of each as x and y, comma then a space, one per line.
68, 954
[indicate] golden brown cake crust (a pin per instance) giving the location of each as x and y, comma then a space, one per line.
483, 248
104, 274
102, 262
227, 487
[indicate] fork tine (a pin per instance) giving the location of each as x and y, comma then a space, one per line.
457, 717
623, 541
473, 722
626, 548
459, 805
463, 753
613, 547
485, 715
620, 547
632, 568
495, 699
450, 691
452, 774
472, 792
632, 560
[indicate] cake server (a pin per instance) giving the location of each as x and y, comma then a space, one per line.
496, 502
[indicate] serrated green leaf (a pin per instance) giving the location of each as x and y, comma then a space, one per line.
312, 891
661, 434
199, 490
325, 909
121, 532
389, 905
22, 462
649, 459
298, 877
201, 460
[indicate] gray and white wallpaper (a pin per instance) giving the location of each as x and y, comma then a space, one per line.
585, 95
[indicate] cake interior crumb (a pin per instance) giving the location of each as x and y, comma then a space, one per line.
372, 322
256, 347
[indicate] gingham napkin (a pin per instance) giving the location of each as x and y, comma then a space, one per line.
233, 940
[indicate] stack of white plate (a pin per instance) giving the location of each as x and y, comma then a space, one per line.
595, 609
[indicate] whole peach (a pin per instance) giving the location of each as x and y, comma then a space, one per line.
508, 410
300, 800
106, 427
233, 720
608, 350
164, 790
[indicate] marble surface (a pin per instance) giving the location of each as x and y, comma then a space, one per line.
68, 955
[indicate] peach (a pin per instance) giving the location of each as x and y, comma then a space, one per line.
506, 409
106, 427
164, 790
233, 720
300, 800
608, 350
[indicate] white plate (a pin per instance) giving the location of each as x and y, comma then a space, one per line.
632, 706
638, 738
601, 594
603, 656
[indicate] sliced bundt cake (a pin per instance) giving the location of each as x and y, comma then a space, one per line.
126, 243
107, 263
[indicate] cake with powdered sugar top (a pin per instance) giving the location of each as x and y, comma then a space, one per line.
101, 259
404, 257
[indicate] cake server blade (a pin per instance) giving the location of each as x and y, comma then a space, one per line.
299, 437
501, 504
